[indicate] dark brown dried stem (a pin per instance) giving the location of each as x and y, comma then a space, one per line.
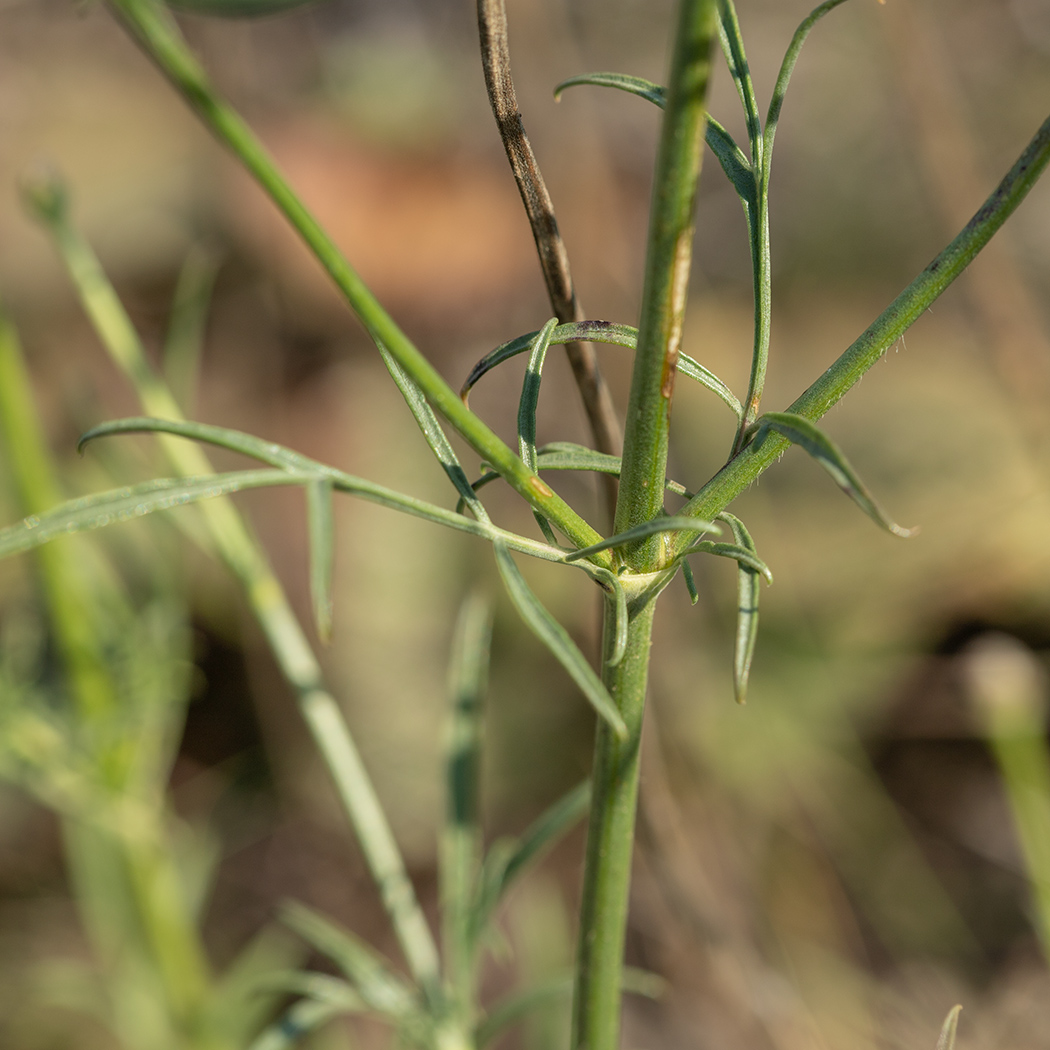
554, 261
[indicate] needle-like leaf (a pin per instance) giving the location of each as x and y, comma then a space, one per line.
639, 86
646, 528
134, 501
747, 592
951, 1023
557, 640
600, 332
320, 520
803, 432
527, 404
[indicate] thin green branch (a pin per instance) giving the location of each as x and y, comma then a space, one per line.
155, 30
887, 328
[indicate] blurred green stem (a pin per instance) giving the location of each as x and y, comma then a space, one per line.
610, 837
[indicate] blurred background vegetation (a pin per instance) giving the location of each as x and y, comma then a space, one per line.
832, 866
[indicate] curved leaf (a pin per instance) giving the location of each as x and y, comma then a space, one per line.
557, 640
529, 400
803, 432
125, 504
743, 555
690, 582
599, 332
646, 528
621, 81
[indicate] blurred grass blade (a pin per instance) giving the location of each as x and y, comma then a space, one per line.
126, 504
747, 593
514, 1007
730, 156
575, 331
298, 1021
507, 860
70, 597
646, 528
184, 341
600, 332
801, 431
312, 985
951, 1023
621, 81
434, 433
745, 556
238, 8
461, 837
369, 974
557, 640
320, 520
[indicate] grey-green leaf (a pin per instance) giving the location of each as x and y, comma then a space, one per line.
639, 86
646, 528
803, 432
745, 556
747, 593
135, 501
951, 1023
557, 640
320, 519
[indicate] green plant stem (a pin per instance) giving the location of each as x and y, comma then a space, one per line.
156, 31
610, 834
239, 549
887, 328
668, 260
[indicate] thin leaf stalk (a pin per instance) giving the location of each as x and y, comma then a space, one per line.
155, 30
668, 261
883, 332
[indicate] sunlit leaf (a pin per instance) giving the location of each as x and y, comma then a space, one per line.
557, 640
369, 974
951, 1023
320, 518
646, 528
135, 501
801, 431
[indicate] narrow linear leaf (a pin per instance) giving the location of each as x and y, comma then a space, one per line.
733, 49
435, 434
801, 431
574, 332
135, 501
238, 8
320, 519
298, 1021
309, 984
951, 1023
599, 332
690, 582
557, 640
743, 555
747, 594
369, 973
730, 156
621, 81
646, 528
527, 404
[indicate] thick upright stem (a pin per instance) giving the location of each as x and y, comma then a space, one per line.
610, 836
668, 260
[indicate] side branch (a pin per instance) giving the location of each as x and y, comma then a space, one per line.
885, 330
